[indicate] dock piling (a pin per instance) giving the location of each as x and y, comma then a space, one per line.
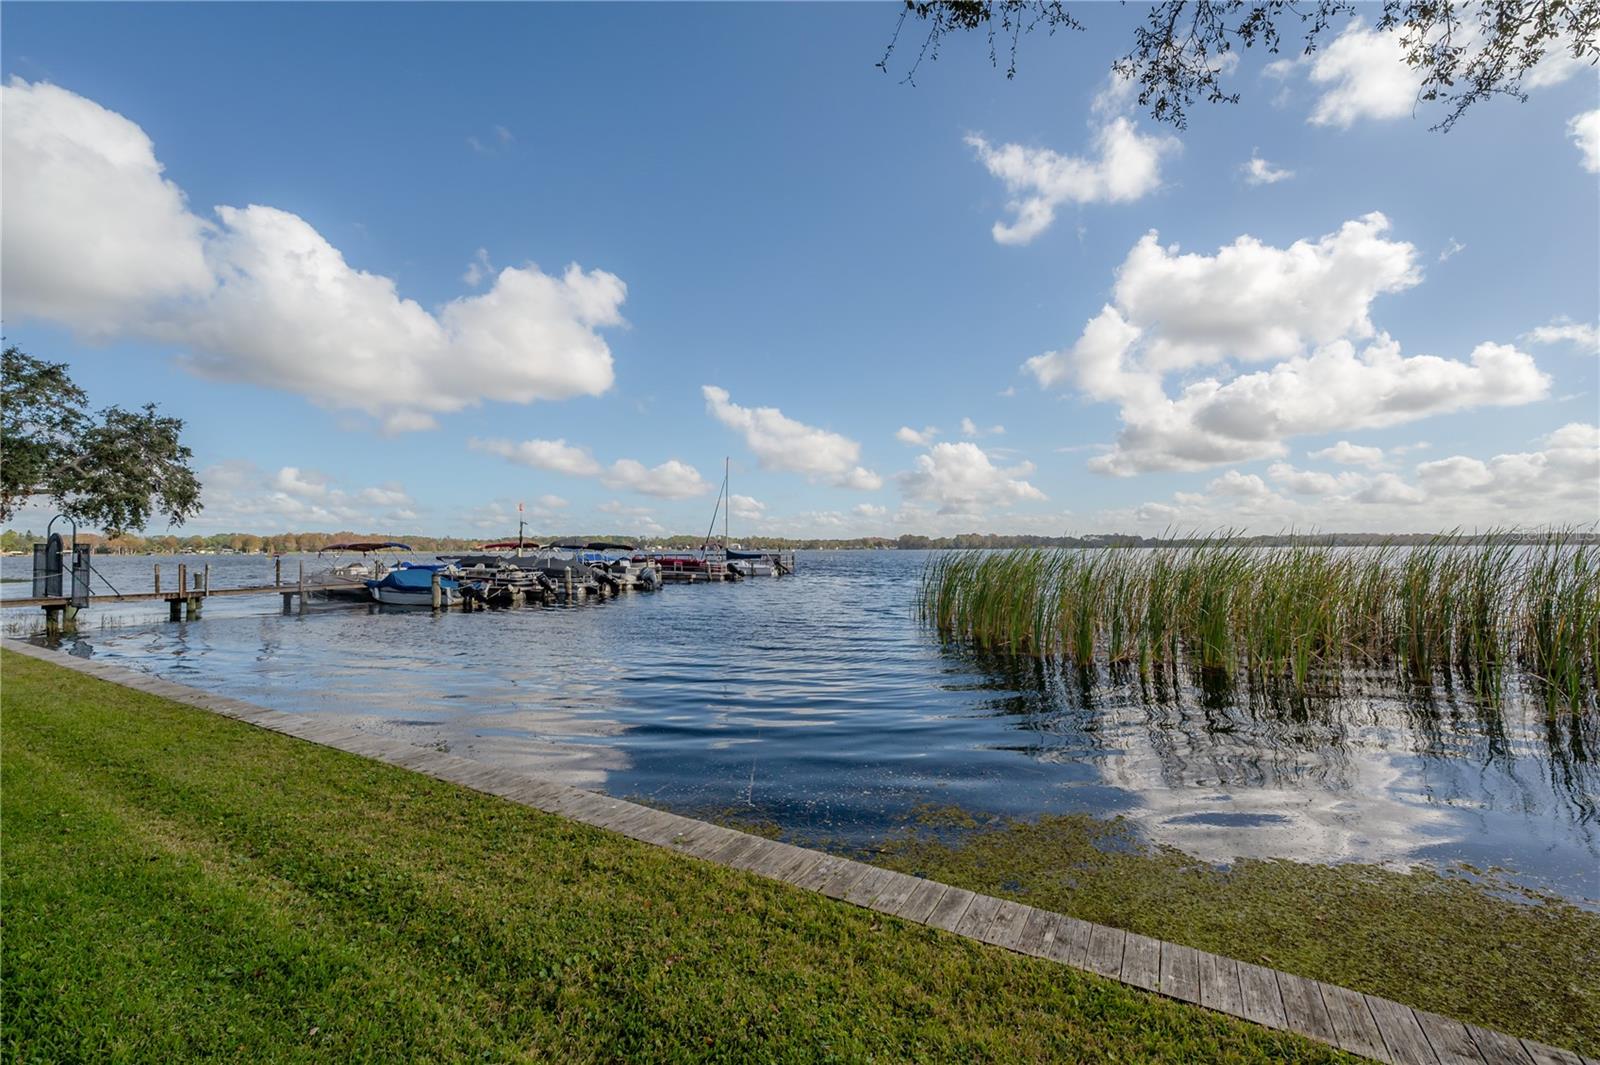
433, 586
277, 572
302, 586
158, 578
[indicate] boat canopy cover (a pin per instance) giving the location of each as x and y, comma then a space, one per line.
598, 545
507, 545
417, 577
368, 545
734, 553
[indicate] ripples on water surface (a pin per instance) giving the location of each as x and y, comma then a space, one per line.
820, 704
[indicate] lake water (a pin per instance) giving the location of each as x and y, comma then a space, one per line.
819, 703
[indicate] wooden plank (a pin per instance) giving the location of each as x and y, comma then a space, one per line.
1449, 1039
803, 865
1141, 962
846, 874
1039, 934
866, 888
1180, 972
1401, 1032
813, 878
1353, 1027
760, 853
1549, 1055
662, 828
726, 846
1303, 1008
1498, 1048
1071, 945
1258, 992
760, 856
733, 855
895, 892
920, 904
1010, 921
1104, 954
1219, 984
950, 908
975, 922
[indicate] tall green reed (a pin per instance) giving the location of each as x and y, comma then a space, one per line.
1444, 609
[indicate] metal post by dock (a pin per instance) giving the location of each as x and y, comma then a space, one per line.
175, 604
302, 586
433, 587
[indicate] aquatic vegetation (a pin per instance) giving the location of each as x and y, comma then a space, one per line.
1463, 942
1463, 612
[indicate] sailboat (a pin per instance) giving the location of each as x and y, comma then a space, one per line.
744, 563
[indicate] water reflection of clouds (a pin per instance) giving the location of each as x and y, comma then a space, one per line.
1369, 776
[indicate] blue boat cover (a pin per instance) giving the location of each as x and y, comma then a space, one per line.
415, 578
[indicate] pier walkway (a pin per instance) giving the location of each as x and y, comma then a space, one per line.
1367, 1025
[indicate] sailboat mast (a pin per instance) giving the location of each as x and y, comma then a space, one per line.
727, 502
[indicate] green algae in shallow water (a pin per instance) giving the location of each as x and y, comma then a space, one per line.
1474, 949
1468, 612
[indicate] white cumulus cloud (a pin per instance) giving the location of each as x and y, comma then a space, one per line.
1347, 454
97, 239
960, 478
1582, 335
1125, 165
916, 437
781, 443
1304, 309
1260, 172
93, 233
1363, 74
1584, 130
240, 496
1556, 482
669, 480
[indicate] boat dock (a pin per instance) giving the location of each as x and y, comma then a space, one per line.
467, 590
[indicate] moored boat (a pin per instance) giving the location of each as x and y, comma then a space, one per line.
412, 585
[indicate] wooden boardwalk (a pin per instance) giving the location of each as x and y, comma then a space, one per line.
1367, 1025
174, 596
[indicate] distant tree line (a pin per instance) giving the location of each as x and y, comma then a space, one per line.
289, 543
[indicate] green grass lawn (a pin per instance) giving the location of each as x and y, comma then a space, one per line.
177, 885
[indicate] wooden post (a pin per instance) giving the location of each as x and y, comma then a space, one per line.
183, 578
433, 586
158, 578
302, 586
174, 609
277, 572
569, 583
288, 599
205, 589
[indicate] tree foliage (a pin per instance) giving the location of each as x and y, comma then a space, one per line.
112, 469
1465, 52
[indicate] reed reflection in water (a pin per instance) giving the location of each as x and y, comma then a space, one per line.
1360, 768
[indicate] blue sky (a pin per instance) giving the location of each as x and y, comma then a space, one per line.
753, 207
